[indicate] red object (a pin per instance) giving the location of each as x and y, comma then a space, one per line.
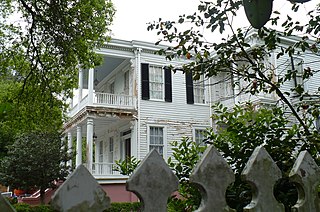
19, 192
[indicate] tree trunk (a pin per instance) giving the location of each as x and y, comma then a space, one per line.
42, 195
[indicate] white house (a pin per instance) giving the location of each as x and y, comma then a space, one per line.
130, 105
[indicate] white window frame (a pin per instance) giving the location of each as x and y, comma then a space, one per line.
194, 129
164, 131
199, 91
153, 69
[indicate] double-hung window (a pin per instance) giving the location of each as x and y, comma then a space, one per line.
156, 139
111, 149
198, 90
156, 82
195, 89
199, 136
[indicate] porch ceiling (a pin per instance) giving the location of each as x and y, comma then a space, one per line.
101, 125
107, 66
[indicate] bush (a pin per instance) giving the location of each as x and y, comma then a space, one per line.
124, 207
23, 207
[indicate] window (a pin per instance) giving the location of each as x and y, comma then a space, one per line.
198, 90
156, 139
199, 136
195, 89
101, 151
156, 82
111, 150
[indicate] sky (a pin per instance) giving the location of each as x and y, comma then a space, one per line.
131, 17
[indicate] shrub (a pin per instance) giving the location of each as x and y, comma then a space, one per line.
124, 207
23, 207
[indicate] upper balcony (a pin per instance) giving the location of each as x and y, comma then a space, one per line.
110, 85
108, 100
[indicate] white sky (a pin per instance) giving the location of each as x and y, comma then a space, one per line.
131, 18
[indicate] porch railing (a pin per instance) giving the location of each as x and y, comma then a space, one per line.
104, 169
117, 100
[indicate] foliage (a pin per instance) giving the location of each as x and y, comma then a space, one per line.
115, 207
127, 166
243, 128
22, 114
35, 160
185, 155
23, 207
124, 206
50, 39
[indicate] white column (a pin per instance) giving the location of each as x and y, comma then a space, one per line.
90, 86
79, 147
80, 86
69, 163
89, 143
138, 78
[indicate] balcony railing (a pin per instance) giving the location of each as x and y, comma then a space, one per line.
119, 101
104, 169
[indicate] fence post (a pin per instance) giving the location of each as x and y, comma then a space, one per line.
305, 174
80, 192
261, 172
213, 175
5, 205
153, 182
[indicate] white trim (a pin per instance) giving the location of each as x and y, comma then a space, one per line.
165, 147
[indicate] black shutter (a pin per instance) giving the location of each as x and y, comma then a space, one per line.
168, 85
189, 87
145, 81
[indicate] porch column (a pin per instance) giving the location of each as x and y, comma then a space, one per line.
80, 86
69, 163
90, 86
89, 143
79, 147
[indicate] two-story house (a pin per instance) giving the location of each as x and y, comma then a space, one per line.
130, 105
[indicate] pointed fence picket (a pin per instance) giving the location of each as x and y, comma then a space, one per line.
153, 182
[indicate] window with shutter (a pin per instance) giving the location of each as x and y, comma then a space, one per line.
156, 83
198, 91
